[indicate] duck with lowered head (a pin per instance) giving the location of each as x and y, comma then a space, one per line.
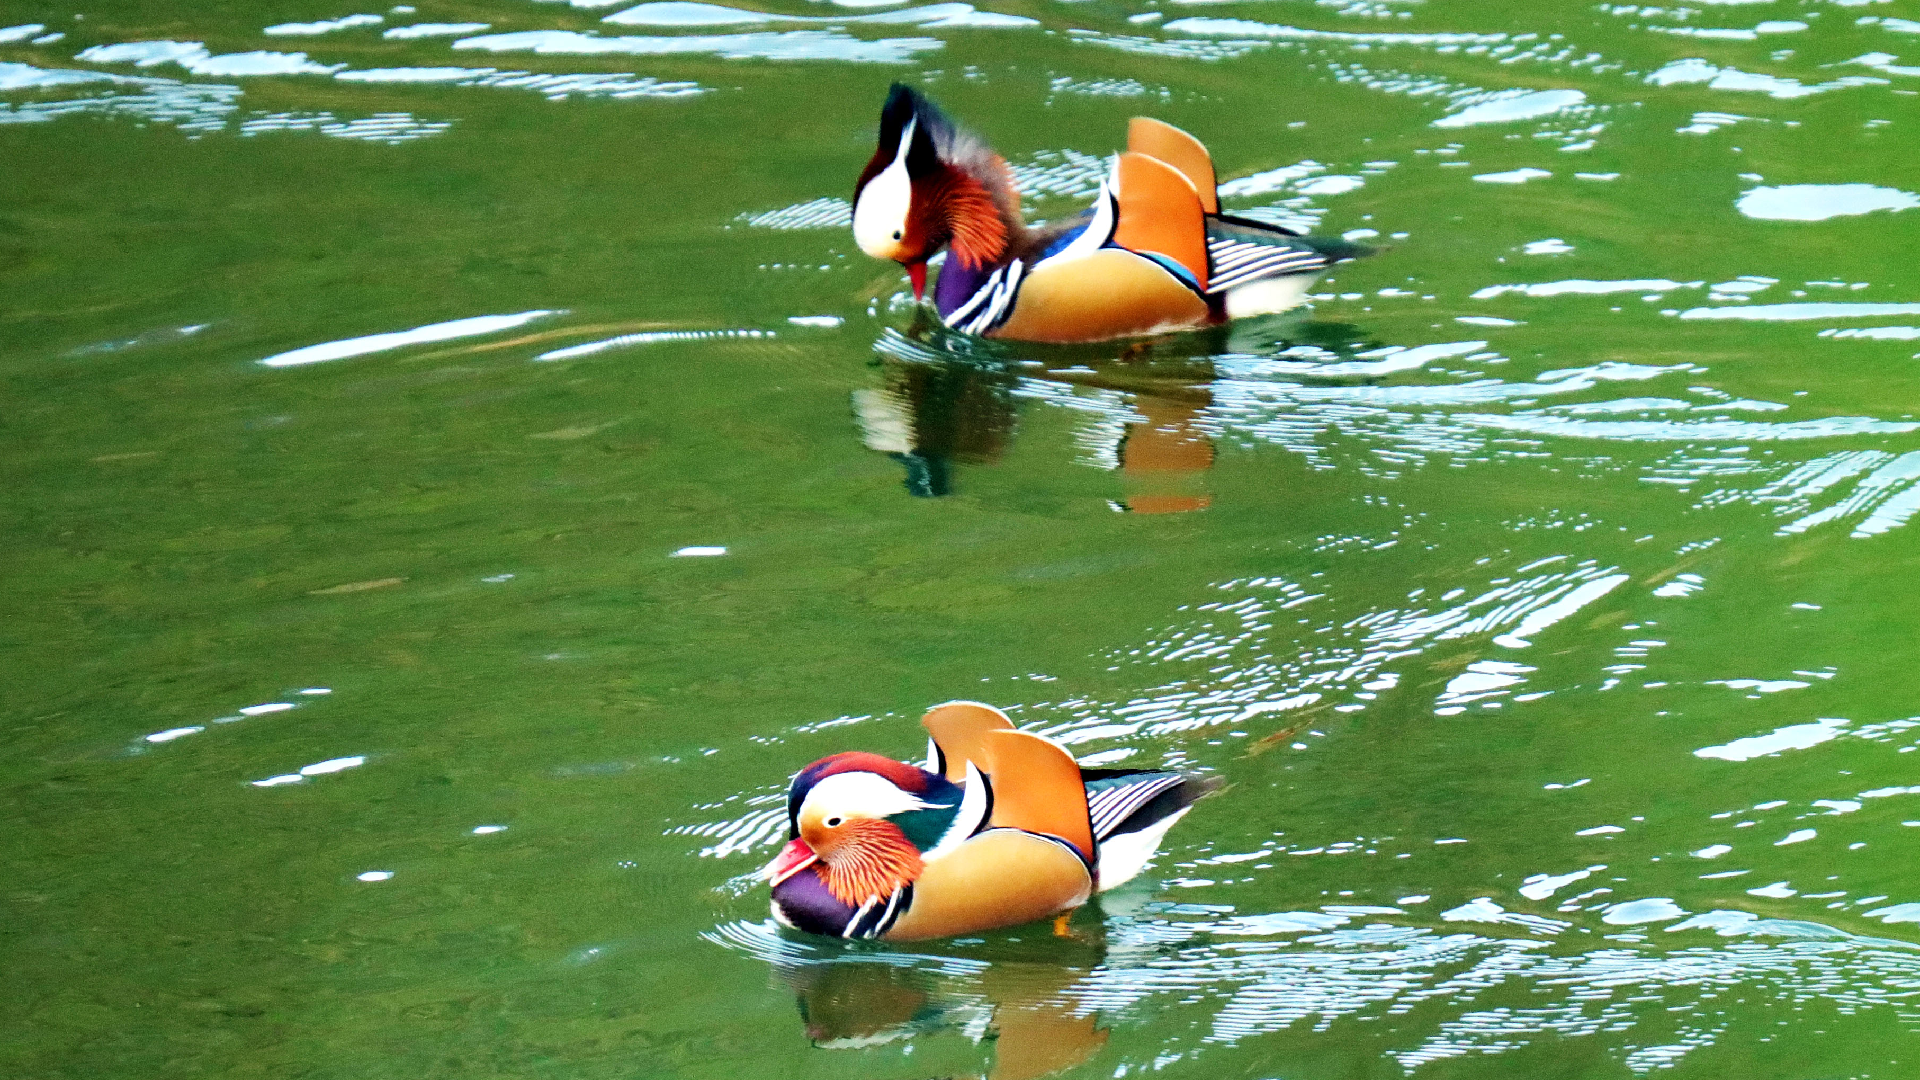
1154, 253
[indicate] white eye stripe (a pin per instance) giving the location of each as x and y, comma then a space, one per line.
880, 214
858, 794
906, 143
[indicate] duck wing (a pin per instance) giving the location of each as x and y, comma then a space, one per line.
1138, 266
1161, 213
956, 734
1131, 811
1244, 251
1161, 140
1033, 859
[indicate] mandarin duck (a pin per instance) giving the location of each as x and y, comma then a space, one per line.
1000, 827
1153, 254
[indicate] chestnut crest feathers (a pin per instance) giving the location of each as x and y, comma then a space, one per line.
932, 184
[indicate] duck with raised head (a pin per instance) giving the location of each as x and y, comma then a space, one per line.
1001, 827
1153, 254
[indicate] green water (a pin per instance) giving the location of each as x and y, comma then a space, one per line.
1556, 645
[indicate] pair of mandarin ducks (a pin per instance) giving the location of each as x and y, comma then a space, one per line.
1001, 827
1153, 254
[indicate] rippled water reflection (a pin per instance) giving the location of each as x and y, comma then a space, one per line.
443, 515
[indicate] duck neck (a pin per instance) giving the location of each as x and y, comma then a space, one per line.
977, 210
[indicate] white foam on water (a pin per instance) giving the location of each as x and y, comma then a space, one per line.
1801, 312
193, 56
27, 77
414, 74
1637, 912
1512, 176
1329, 185
373, 343
1772, 26
686, 13
1818, 202
326, 26
1760, 686
1271, 180
648, 337
1538, 620
557, 87
1879, 333
787, 45
1792, 737
1244, 28
1583, 287
1483, 679
429, 30
1513, 105
1695, 70
1541, 886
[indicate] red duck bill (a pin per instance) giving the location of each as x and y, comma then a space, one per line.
793, 858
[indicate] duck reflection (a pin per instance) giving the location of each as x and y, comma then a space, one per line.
944, 399
1018, 1004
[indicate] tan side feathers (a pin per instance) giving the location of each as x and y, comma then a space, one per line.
1158, 139
1160, 212
1037, 788
958, 728
1002, 877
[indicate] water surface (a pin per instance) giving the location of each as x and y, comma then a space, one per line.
458, 466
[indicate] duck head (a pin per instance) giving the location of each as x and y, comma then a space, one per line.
857, 825
932, 185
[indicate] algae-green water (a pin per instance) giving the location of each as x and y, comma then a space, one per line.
455, 466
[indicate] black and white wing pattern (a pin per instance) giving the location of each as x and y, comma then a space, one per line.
1131, 812
1112, 803
991, 302
1243, 251
1237, 262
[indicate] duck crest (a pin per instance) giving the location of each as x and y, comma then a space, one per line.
907, 778
963, 197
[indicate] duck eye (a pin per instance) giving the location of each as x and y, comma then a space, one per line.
896, 234
833, 822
